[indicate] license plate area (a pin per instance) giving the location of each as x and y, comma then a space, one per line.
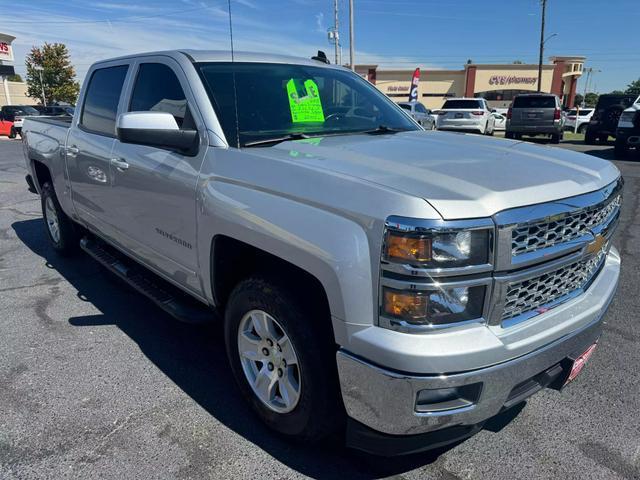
459, 115
578, 364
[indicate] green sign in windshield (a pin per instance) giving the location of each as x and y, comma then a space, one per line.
305, 108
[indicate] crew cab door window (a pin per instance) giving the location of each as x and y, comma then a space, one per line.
101, 100
157, 89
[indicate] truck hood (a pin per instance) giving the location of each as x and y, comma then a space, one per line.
460, 175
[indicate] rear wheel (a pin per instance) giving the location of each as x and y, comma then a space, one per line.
12, 133
620, 149
61, 231
590, 138
283, 359
555, 138
582, 128
508, 134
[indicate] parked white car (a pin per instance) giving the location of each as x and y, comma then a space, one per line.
583, 119
500, 121
420, 114
466, 114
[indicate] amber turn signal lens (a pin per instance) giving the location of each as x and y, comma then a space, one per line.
410, 306
408, 249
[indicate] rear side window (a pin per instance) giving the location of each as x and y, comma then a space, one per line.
534, 102
420, 108
405, 106
462, 104
101, 100
157, 89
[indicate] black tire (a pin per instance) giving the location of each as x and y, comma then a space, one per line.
582, 128
68, 242
555, 138
508, 134
590, 138
517, 136
12, 133
319, 411
620, 149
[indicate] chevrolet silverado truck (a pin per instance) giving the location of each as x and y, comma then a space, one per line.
375, 280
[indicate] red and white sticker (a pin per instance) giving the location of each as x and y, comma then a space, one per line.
579, 363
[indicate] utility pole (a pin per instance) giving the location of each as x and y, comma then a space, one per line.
544, 12
335, 31
351, 54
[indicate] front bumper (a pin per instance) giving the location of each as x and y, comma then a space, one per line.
385, 400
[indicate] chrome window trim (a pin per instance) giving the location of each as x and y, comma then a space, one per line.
435, 226
507, 220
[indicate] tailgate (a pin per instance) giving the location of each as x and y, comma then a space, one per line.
534, 116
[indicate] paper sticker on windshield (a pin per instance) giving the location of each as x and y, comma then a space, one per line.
304, 102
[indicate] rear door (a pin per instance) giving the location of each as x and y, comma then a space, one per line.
534, 110
155, 195
89, 146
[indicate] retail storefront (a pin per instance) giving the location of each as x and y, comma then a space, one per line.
11, 93
496, 83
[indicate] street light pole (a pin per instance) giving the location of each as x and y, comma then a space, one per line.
335, 30
351, 49
544, 11
40, 69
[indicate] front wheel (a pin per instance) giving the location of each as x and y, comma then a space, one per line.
60, 229
283, 359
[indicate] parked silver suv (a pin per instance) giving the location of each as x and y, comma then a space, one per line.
535, 114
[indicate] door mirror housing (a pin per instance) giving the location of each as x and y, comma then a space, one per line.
156, 129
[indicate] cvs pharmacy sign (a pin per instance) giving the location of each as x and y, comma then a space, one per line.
6, 51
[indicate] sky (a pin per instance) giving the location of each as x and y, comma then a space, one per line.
391, 33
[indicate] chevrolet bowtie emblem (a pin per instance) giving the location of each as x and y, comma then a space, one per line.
596, 245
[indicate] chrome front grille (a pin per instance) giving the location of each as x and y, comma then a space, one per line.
562, 228
538, 294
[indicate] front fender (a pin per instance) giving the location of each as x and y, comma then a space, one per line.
332, 248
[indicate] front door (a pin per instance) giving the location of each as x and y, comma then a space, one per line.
155, 193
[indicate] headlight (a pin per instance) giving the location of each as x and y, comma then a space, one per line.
435, 273
445, 249
433, 307
627, 116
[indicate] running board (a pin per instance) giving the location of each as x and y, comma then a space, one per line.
169, 298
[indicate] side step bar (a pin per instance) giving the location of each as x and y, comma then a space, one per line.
172, 300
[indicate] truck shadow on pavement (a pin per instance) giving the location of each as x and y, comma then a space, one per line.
194, 358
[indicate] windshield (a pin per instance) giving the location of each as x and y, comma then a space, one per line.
461, 105
276, 100
22, 110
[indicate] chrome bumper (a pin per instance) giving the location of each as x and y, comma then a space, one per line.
385, 400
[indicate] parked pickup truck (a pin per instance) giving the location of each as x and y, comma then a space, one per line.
399, 285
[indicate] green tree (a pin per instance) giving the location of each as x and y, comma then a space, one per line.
590, 99
14, 78
578, 100
633, 88
58, 75
518, 62
616, 92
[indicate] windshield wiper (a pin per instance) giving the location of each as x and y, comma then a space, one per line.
384, 129
276, 140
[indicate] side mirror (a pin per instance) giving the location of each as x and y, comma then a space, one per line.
156, 129
493, 110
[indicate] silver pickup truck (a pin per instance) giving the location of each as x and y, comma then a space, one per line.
373, 278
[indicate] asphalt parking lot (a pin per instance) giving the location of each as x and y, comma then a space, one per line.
96, 382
